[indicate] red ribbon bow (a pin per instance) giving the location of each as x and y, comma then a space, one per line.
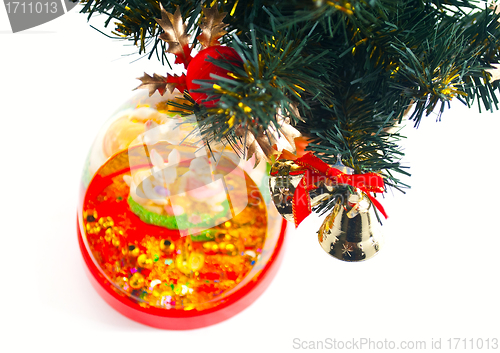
315, 167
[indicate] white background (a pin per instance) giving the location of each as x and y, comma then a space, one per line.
436, 278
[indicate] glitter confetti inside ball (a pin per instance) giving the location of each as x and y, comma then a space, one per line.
174, 235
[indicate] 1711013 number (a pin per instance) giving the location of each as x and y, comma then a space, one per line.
31, 7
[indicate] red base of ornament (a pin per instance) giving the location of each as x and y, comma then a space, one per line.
184, 320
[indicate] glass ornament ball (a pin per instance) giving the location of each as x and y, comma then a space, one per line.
174, 234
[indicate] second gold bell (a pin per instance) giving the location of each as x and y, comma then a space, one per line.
350, 237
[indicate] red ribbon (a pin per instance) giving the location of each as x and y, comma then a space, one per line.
315, 168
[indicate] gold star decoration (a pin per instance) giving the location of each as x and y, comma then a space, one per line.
261, 144
175, 34
161, 83
157, 82
212, 27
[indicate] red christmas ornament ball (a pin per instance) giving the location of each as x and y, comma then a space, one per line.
200, 69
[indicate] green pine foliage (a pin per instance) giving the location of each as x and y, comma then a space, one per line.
352, 69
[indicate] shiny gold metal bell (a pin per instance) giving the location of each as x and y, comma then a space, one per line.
282, 187
350, 239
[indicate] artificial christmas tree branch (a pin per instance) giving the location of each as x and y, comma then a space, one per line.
344, 73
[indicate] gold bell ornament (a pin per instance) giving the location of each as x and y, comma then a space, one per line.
284, 178
348, 233
351, 235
